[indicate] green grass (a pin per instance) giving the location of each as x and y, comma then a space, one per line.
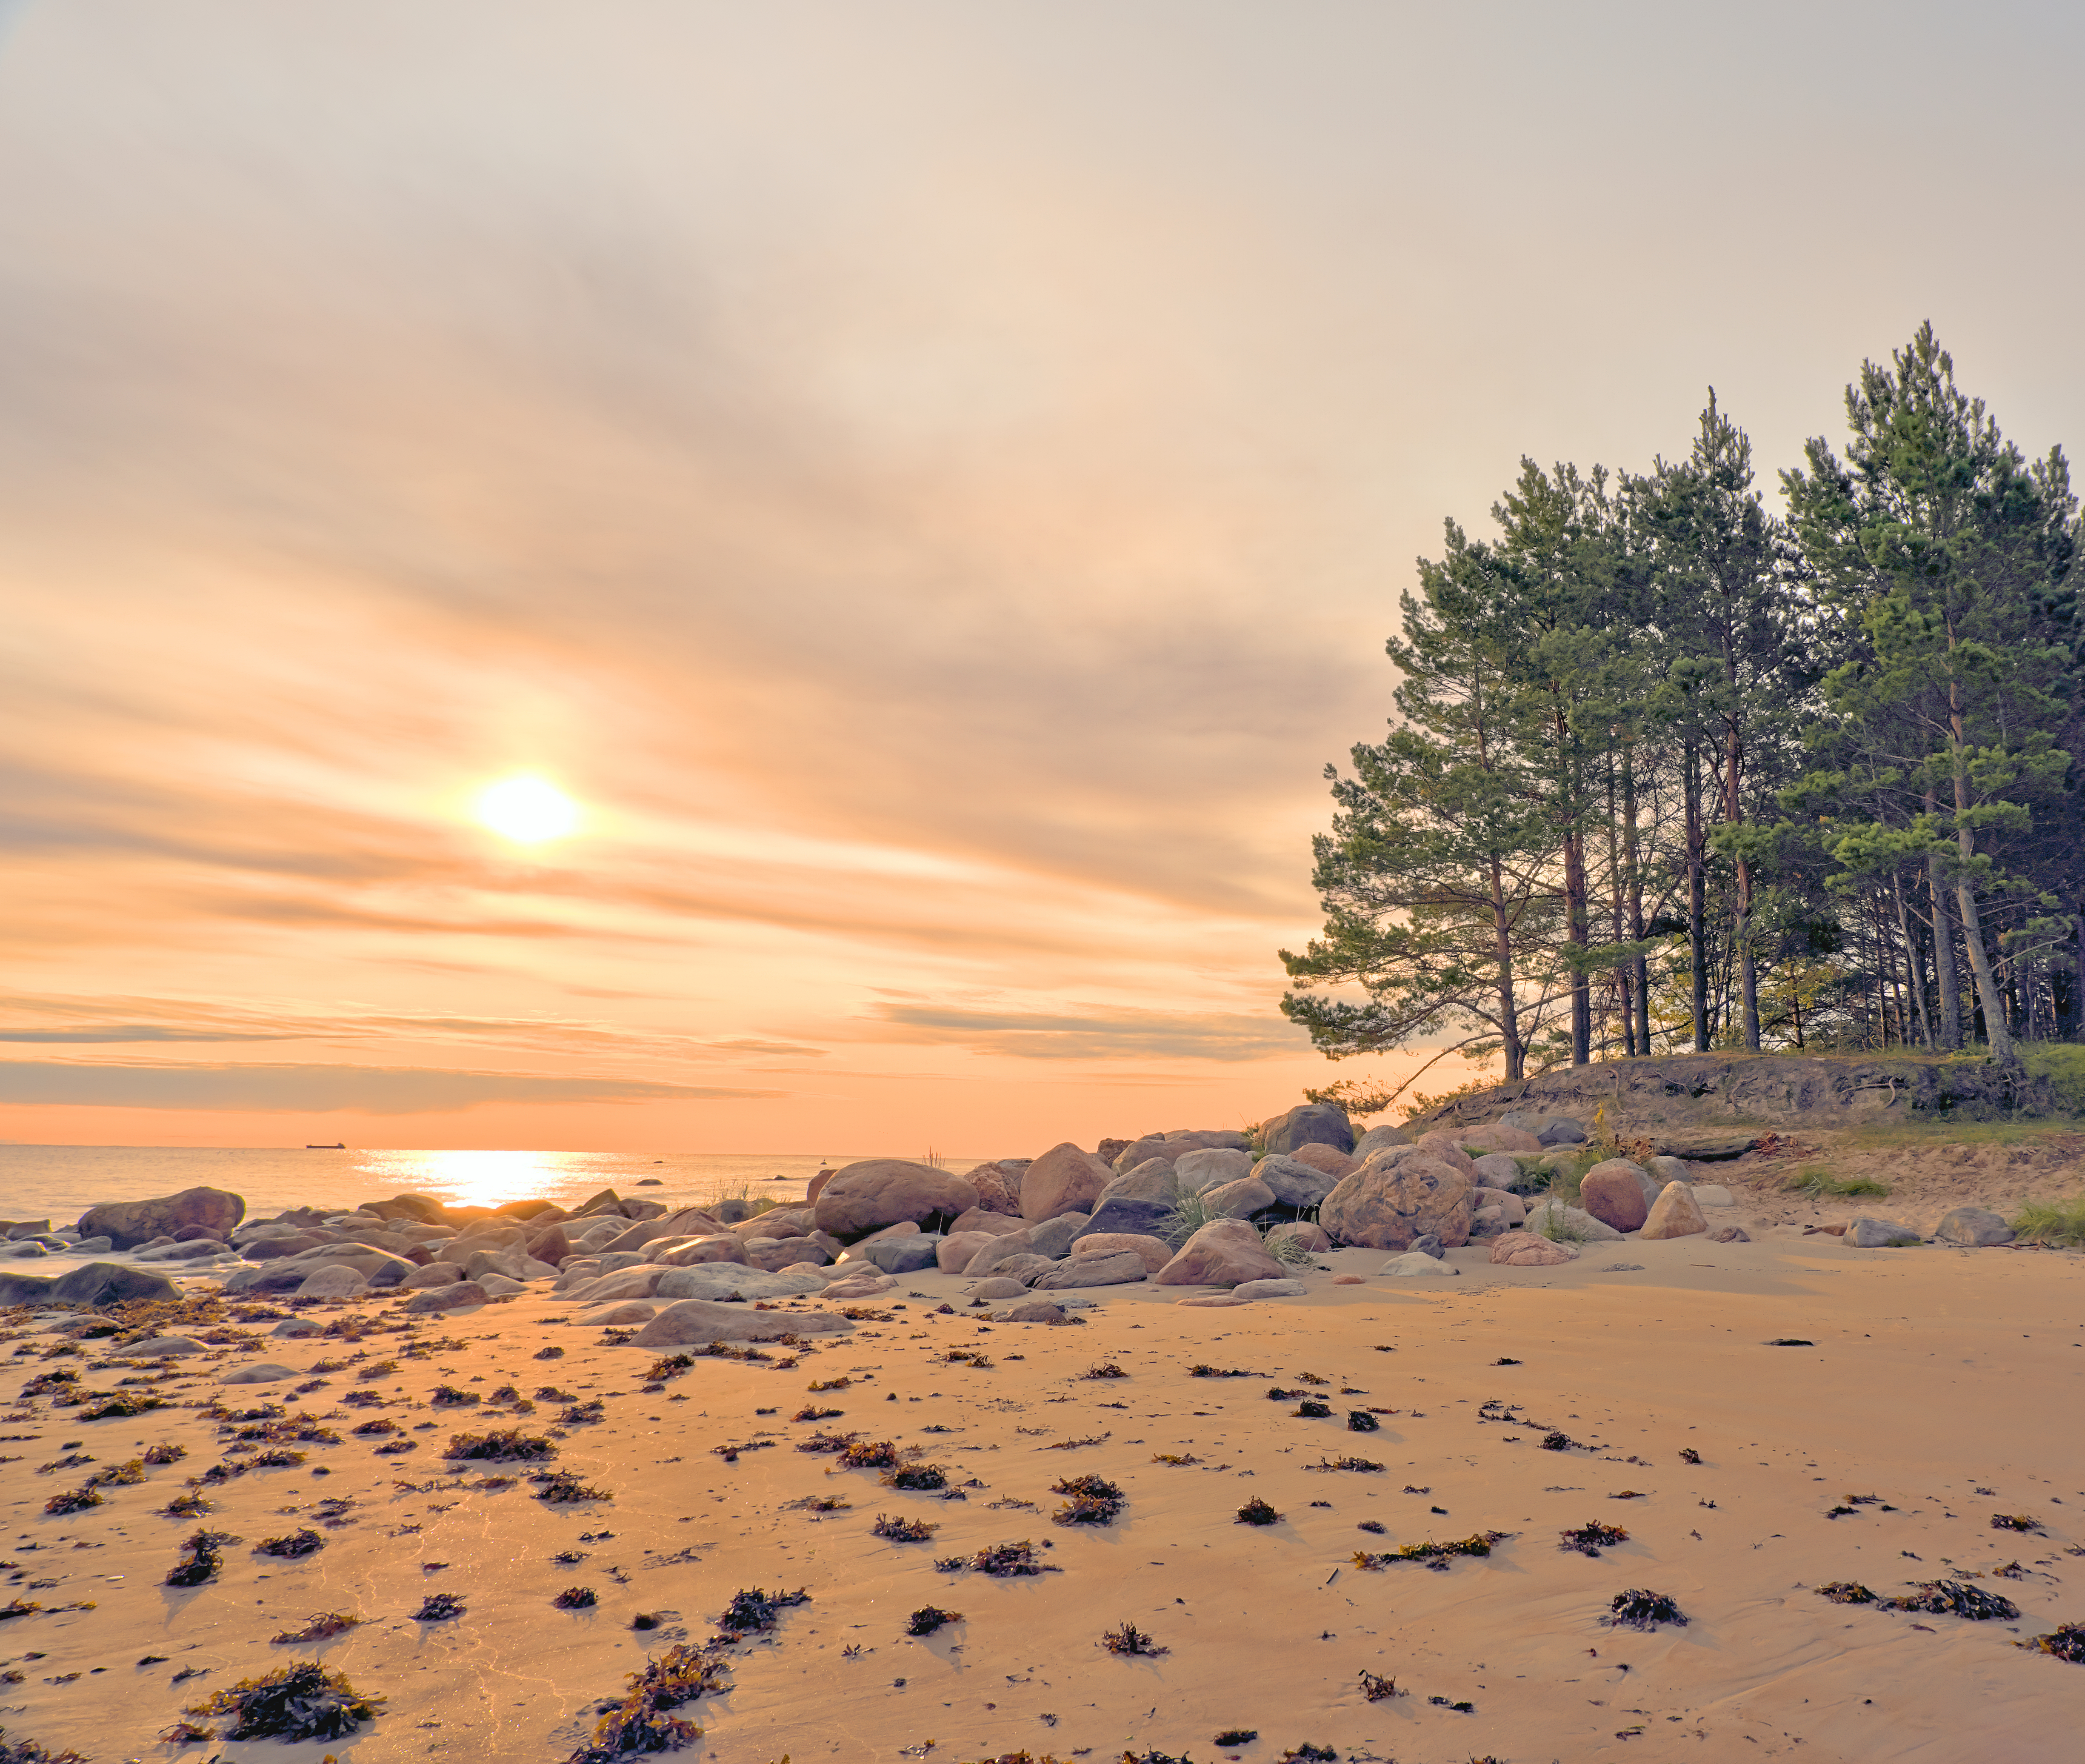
2062, 1063
1190, 1214
1820, 1184
1286, 1251
1557, 1228
2059, 1224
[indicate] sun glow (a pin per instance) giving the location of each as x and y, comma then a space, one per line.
527, 810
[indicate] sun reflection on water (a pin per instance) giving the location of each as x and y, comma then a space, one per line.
481, 1178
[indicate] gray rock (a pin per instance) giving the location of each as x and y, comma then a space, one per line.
133, 1222
296, 1327
733, 1211
1498, 1170
1412, 1264
722, 1280
1672, 1170
615, 1260
1240, 1199
1575, 1225
691, 1321
436, 1273
609, 1316
27, 1250
262, 1372
996, 1287
1713, 1194
1379, 1139
159, 1347
1294, 1184
1305, 1124
1053, 1237
110, 1282
1269, 1289
1122, 1213
1974, 1228
1023, 1267
1426, 1243
1881, 1234
1034, 1311
481, 1262
456, 1297
497, 1286
93, 1246
1195, 1171
1730, 1234
638, 1282
900, 1255
1122, 1268
332, 1283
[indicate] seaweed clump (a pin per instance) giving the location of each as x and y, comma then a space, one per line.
1256, 1512
303, 1541
2066, 1643
753, 1612
576, 1598
502, 1445
1090, 1500
1434, 1554
902, 1530
439, 1608
1637, 1608
930, 1617
639, 1724
205, 1557
321, 1627
28, 1752
1590, 1540
1933, 1598
562, 1488
1001, 1561
1130, 1639
920, 1477
299, 1701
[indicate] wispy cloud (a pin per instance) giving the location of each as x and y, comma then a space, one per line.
1093, 1034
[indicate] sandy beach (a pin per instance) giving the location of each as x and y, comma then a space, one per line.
1936, 1394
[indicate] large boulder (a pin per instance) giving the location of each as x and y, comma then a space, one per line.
1209, 1167
998, 1184
1306, 1123
1240, 1199
280, 1243
684, 1222
1120, 1269
1447, 1146
1878, 1234
982, 1218
772, 1253
129, 1224
1386, 1204
96, 1283
1138, 1201
1297, 1183
953, 1253
865, 1196
1064, 1179
1155, 1251
693, 1252
638, 1282
721, 1280
902, 1255
334, 1283
1675, 1214
1527, 1249
1154, 1145
697, 1321
1572, 1223
458, 1296
1974, 1228
1376, 1138
1499, 1138
1611, 1193
1330, 1159
1222, 1253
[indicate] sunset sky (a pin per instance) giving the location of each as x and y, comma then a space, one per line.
929, 482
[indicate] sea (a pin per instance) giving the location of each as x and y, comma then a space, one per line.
60, 1182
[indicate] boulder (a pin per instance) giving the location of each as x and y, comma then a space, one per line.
334, 1283
817, 1185
110, 1282
1385, 1205
529, 1210
552, 1246
1612, 1192
683, 1222
1486, 1222
486, 1262
1023, 1267
864, 1196
692, 1320
1414, 1264
1499, 1138
1136, 1202
719, 1280
1118, 1270
129, 1224
419, 1208
1573, 1222
1675, 1214
1295, 1182
864, 1285
1527, 1249
93, 1246
436, 1273
1206, 1139
1210, 1168
776, 1221
610, 1316
996, 1287
1242, 1199
1549, 1130
1496, 1169
603, 1205
1302, 1231
1446, 1146
159, 1347
1053, 1237
261, 1372
1034, 1311
1665, 1169
24, 1227
1330, 1160
903, 1255
953, 1253
283, 1276
723, 1247
1713, 1148
1155, 1251
981, 1218
1286, 1288
1707, 1194
28, 1249
1881, 1234
1511, 1205
1376, 1140
454, 1297
1223, 1253
1306, 1123
732, 1211
1974, 1228
1154, 1145
638, 1282
1730, 1234
1002, 1248
297, 1326
772, 1254
1064, 1179
998, 1184
497, 1286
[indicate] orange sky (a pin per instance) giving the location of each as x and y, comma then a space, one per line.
932, 481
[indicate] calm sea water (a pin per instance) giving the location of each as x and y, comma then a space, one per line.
61, 1182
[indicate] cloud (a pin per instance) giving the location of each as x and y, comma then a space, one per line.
376, 1090
1093, 1034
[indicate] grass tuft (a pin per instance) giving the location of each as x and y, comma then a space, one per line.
1130, 1639
1819, 1183
2061, 1224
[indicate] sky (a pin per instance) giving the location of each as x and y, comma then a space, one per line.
929, 482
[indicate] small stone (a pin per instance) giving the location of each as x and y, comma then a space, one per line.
1412, 1264
1974, 1228
1881, 1234
1269, 1289
1675, 1214
263, 1372
1302, 1231
1528, 1249
296, 1326
1426, 1243
1348, 1280
1730, 1234
1035, 1311
860, 1286
996, 1287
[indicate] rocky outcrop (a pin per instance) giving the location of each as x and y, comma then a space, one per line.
876, 1192
128, 1224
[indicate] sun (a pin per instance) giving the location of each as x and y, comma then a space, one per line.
527, 810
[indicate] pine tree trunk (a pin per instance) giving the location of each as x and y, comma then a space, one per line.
1696, 897
1639, 968
1946, 979
1615, 902
1911, 966
1576, 933
1508, 1012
